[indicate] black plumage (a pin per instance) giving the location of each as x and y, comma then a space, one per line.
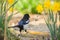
22, 22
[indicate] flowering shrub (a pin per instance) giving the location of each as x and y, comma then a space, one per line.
47, 4
55, 6
10, 1
39, 8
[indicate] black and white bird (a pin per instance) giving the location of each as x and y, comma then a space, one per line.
25, 20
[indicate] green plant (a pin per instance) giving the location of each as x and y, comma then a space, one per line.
4, 19
58, 34
51, 22
27, 6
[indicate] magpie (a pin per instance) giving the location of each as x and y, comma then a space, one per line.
25, 20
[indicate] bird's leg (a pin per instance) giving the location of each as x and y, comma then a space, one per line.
26, 31
20, 32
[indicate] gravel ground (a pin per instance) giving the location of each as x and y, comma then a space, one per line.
37, 24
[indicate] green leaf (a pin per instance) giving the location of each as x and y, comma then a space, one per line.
58, 34
2, 22
52, 15
9, 18
56, 19
59, 29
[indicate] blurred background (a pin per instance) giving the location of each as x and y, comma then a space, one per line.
44, 19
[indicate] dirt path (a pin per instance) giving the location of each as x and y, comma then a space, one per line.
36, 24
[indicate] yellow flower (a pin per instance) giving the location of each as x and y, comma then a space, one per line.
11, 9
59, 7
39, 8
47, 4
10, 1
55, 7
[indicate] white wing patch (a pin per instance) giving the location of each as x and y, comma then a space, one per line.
27, 21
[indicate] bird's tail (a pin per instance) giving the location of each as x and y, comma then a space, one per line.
13, 26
